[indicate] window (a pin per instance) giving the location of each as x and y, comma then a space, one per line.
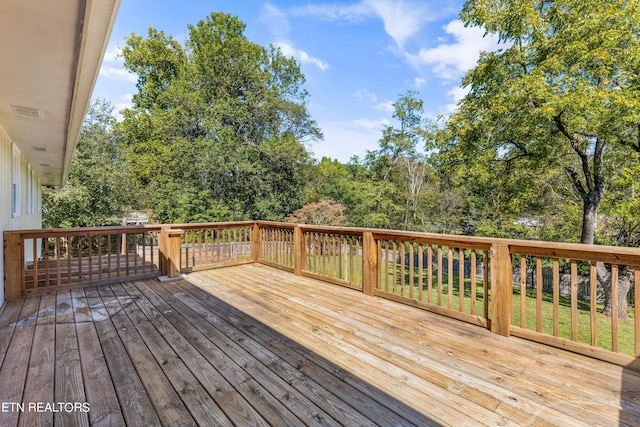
29, 188
15, 183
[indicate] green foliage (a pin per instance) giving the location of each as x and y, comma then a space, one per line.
563, 93
218, 126
98, 186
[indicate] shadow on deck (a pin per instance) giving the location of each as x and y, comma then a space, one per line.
252, 345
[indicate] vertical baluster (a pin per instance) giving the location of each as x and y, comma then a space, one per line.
439, 275
485, 278
429, 273
34, 255
614, 307
574, 300
420, 272
411, 267
394, 282
109, 255
538, 294
450, 277
461, 280
386, 265
523, 291
472, 274
45, 257
58, 256
403, 262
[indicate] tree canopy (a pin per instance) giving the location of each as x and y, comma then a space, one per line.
563, 91
219, 124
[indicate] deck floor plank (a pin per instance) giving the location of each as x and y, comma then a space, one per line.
346, 388
8, 318
267, 365
69, 383
254, 345
263, 402
517, 399
135, 403
39, 386
16, 363
105, 409
200, 404
165, 399
323, 338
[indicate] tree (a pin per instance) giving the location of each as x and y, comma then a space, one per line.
98, 187
218, 126
324, 212
564, 91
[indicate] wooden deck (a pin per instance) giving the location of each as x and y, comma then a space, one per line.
252, 345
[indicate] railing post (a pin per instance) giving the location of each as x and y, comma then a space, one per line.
170, 251
501, 289
369, 263
255, 243
13, 266
299, 251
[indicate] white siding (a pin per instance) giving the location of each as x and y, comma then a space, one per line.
30, 215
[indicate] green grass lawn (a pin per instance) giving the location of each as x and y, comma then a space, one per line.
603, 323
440, 296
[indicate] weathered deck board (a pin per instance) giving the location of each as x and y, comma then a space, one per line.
253, 345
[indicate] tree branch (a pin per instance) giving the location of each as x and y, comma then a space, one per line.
575, 144
577, 184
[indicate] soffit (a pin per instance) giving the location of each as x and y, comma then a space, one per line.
50, 56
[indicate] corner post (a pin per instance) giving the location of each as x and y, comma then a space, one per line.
299, 251
370, 263
13, 266
174, 252
501, 289
255, 243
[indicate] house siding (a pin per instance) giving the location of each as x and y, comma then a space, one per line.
30, 209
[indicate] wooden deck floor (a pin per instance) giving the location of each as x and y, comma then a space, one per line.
251, 345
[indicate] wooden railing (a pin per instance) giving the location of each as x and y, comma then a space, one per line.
494, 283
444, 274
37, 260
214, 245
275, 244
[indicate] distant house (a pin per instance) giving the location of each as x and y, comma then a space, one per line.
50, 56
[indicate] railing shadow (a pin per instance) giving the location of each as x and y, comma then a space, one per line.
362, 397
630, 394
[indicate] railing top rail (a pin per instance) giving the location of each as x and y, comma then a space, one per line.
286, 225
209, 225
577, 251
84, 231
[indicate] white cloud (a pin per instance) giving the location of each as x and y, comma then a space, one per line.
419, 82
401, 18
456, 94
124, 101
385, 106
451, 60
116, 73
344, 139
301, 55
371, 125
335, 12
280, 30
363, 95
113, 54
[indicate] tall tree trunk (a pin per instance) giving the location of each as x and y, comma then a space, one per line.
625, 283
591, 189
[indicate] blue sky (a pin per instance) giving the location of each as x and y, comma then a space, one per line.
357, 56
